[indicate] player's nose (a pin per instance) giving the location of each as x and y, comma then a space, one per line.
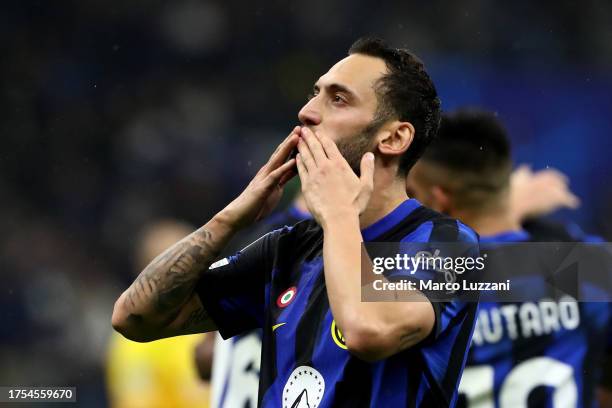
310, 115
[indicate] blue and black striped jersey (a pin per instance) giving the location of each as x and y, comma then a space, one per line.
278, 283
541, 353
236, 366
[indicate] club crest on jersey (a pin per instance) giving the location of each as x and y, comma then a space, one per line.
285, 298
337, 336
304, 388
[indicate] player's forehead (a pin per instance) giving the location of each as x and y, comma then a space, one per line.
357, 72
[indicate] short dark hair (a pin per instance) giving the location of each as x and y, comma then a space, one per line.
406, 93
473, 146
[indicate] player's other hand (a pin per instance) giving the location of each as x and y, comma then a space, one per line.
539, 193
263, 193
331, 188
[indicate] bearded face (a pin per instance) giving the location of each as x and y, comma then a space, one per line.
354, 147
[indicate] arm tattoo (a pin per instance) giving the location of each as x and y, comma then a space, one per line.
195, 318
166, 283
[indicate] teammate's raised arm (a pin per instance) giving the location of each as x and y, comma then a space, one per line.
539, 193
161, 302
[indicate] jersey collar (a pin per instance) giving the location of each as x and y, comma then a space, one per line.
390, 220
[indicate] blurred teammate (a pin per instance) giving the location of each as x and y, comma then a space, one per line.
512, 362
160, 374
369, 119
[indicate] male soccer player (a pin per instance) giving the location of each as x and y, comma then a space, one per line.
542, 353
369, 119
236, 361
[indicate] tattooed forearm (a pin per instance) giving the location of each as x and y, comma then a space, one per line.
167, 282
195, 318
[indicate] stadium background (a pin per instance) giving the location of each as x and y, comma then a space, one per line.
115, 114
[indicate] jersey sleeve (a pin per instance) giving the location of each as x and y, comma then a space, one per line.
232, 290
455, 317
447, 240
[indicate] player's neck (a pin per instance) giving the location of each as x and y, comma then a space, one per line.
387, 195
490, 222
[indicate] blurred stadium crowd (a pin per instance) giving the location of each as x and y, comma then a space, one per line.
116, 114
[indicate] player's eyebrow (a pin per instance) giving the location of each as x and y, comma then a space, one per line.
335, 87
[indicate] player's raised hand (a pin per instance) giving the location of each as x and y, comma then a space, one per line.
330, 187
264, 191
539, 193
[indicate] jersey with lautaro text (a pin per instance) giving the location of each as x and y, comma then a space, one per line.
278, 283
540, 353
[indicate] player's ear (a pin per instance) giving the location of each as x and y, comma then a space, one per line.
395, 138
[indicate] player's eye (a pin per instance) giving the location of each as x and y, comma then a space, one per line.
338, 99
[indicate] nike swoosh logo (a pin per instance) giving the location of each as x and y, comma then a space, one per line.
276, 326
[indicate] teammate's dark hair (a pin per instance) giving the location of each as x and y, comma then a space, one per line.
406, 93
474, 146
